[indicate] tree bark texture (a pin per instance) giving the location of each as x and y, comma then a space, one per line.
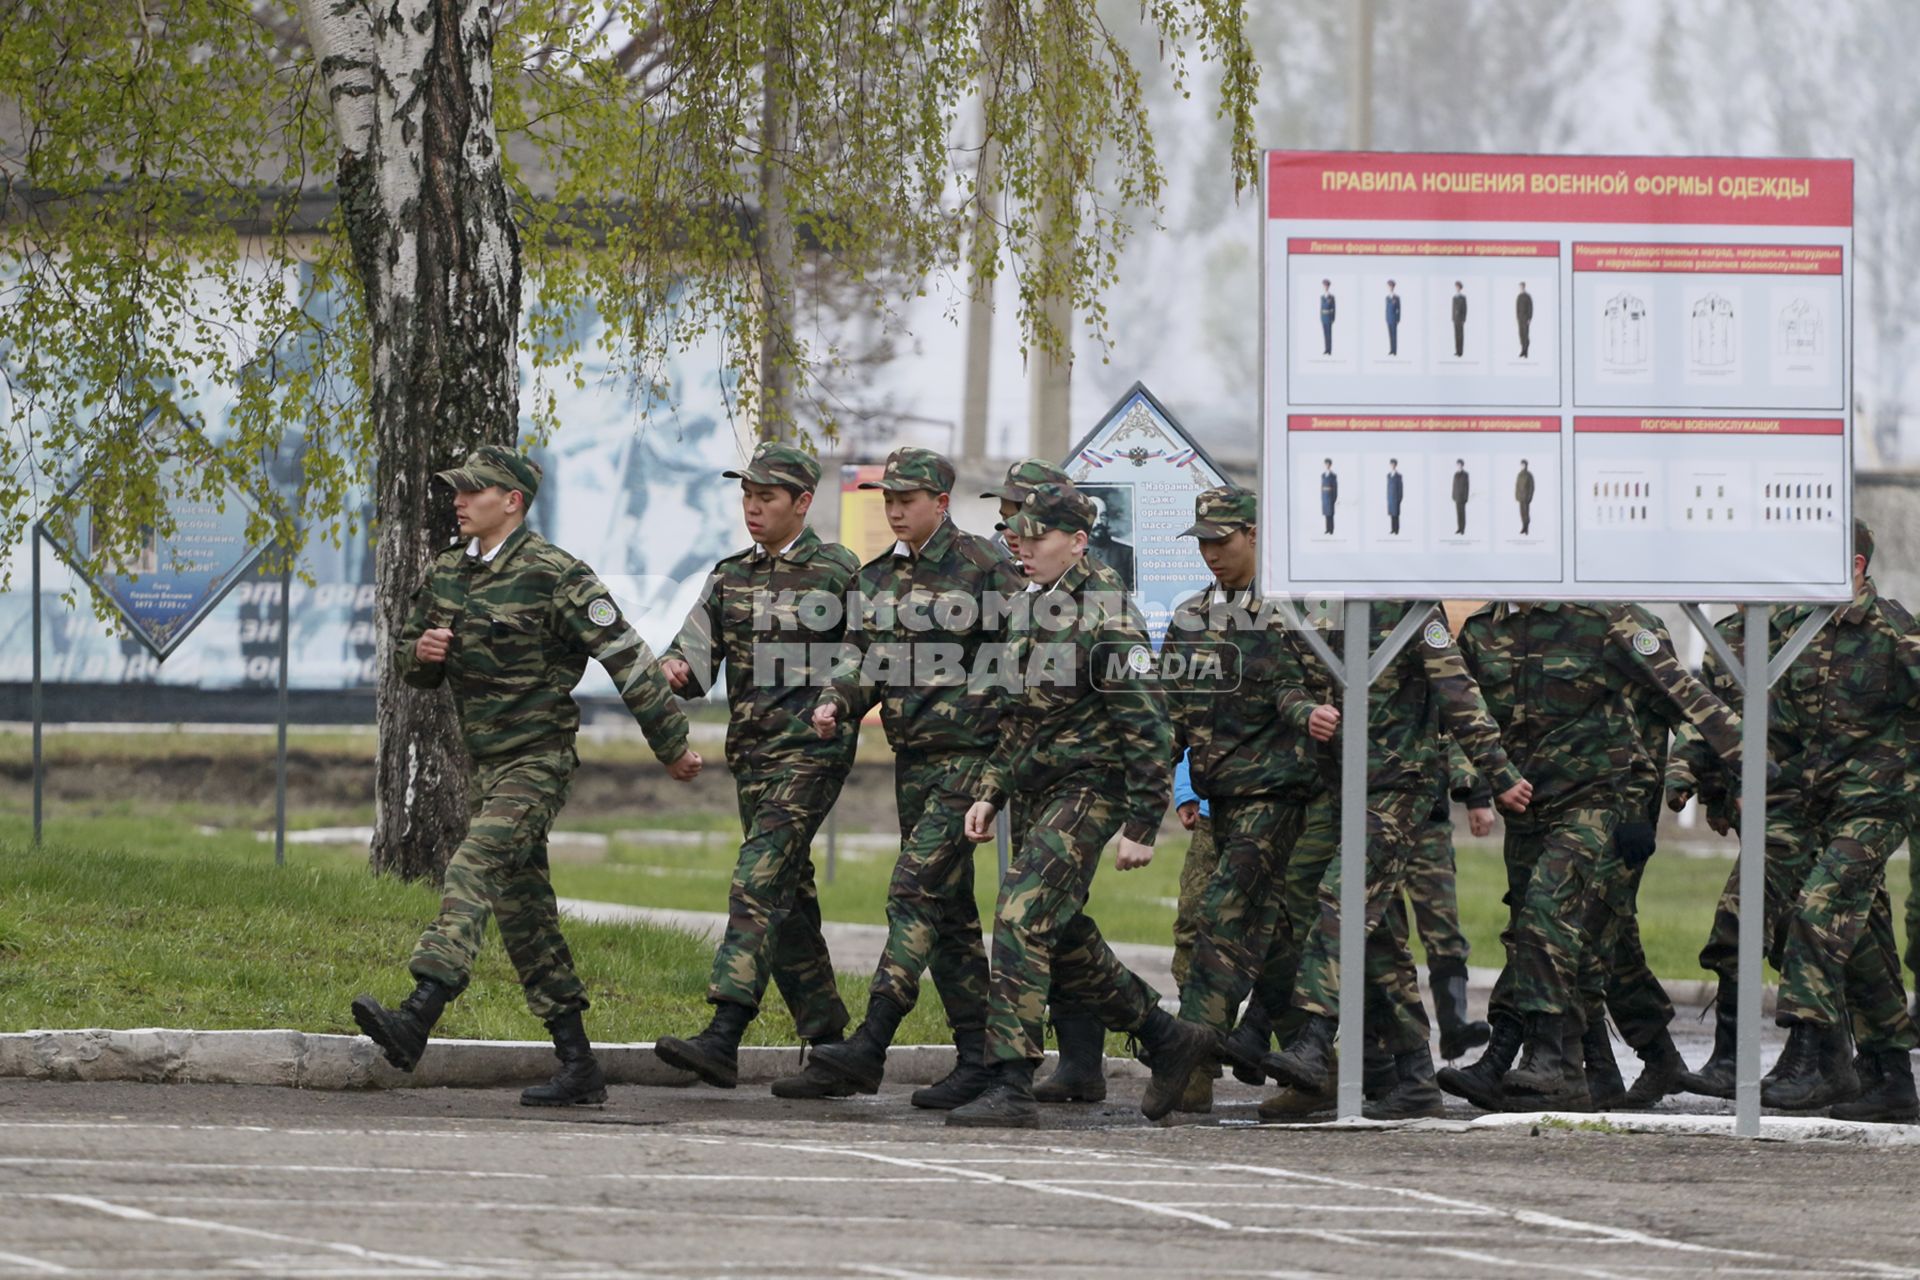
424, 202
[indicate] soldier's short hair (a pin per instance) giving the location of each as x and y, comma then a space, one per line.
1862, 540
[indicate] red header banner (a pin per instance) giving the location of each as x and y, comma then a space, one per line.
1381, 422
1411, 186
1719, 259
1426, 248
1716, 426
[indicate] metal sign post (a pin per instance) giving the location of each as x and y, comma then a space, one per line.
1353, 860
39, 704
280, 757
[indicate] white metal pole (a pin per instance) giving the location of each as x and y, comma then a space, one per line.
1753, 864
1353, 859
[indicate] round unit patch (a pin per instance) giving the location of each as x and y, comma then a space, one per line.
1435, 634
1645, 642
602, 613
1140, 659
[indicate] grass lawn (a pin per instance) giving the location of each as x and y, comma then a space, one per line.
197, 931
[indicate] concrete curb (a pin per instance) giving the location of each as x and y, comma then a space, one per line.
1772, 1128
303, 1060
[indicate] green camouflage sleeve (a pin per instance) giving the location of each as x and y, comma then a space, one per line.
695, 645
1648, 657
1463, 710
850, 687
1139, 715
588, 616
1464, 783
1304, 683
421, 675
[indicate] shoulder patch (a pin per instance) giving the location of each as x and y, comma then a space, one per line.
601, 613
1646, 643
1435, 634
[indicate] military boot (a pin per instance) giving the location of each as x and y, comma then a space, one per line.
1008, 1102
1245, 1047
1080, 1073
1714, 1079
1172, 1048
814, 1081
861, 1059
1821, 1075
1660, 1071
1604, 1086
714, 1054
1307, 1063
1549, 1076
402, 1033
1447, 977
579, 1082
1886, 1095
1197, 1099
1298, 1104
969, 1078
1414, 1094
1482, 1084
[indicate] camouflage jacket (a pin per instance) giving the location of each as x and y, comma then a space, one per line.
524, 625
1426, 684
1843, 723
1556, 678
1082, 710
1231, 724
775, 620
1463, 781
913, 632
1656, 718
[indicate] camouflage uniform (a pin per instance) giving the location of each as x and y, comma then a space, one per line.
1249, 763
771, 618
922, 618
1431, 887
525, 620
1196, 869
1427, 677
1844, 735
1555, 677
1089, 751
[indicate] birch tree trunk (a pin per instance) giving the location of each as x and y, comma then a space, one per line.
410, 88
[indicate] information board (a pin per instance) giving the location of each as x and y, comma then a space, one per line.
1143, 471
1581, 378
175, 579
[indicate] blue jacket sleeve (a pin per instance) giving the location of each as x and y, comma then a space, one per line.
1183, 787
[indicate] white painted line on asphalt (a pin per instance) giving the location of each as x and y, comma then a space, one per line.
40, 1265
129, 1213
401, 1171
508, 1206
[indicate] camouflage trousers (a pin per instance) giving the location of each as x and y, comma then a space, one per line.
1614, 975
1318, 845
1840, 957
773, 908
1435, 898
1913, 915
1551, 862
933, 920
1203, 855
1394, 1015
500, 871
1239, 911
1043, 939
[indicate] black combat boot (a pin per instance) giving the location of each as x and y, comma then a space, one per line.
814, 1081
1714, 1079
714, 1054
1307, 1063
969, 1078
1660, 1071
1482, 1084
1548, 1074
861, 1059
402, 1033
1447, 976
580, 1082
1245, 1047
1414, 1095
1080, 1073
1297, 1104
1197, 1097
1604, 1086
1172, 1048
1886, 1094
1821, 1074
1008, 1102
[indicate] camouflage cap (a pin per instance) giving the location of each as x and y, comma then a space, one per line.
1220, 511
781, 464
1862, 539
1052, 505
491, 465
909, 469
1022, 476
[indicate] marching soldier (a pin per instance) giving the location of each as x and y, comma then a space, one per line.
508, 621
1088, 749
927, 608
772, 615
